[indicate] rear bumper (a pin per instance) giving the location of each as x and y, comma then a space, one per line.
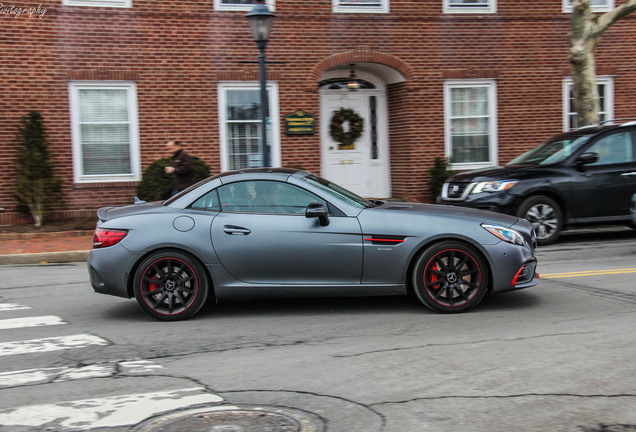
109, 269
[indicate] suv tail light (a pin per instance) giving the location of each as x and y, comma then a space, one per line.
105, 237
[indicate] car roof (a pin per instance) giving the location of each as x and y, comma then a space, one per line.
288, 171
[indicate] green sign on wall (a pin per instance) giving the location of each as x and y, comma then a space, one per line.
300, 123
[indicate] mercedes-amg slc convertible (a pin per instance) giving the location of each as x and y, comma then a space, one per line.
284, 232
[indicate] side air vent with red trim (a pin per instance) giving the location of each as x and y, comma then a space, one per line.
386, 240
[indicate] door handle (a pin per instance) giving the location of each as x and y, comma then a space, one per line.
630, 174
234, 230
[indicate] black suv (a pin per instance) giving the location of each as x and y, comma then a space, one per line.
583, 177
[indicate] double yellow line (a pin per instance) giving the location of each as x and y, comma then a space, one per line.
588, 273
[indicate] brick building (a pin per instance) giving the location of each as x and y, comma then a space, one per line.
481, 80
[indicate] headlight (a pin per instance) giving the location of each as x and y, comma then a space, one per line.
505, 234
493, 186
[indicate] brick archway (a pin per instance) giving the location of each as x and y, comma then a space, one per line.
359, 55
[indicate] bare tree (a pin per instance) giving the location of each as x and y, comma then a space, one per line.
586, 30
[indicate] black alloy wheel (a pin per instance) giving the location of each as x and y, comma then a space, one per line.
545, 216
450, 277
170, 285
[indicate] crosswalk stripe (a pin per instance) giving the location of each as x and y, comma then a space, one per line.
38, 321
60, 374
50, 344
106, 412
6, 307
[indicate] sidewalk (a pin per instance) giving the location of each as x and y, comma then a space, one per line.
46, 247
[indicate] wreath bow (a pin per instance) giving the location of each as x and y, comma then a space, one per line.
337, 132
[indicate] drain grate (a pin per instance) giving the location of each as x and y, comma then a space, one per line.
235, 419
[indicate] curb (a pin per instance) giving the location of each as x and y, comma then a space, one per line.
45, 257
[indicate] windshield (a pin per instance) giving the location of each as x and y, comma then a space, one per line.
551, 151
341, 192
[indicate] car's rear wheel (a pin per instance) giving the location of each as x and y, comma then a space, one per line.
450, 277
546, 217
170, 285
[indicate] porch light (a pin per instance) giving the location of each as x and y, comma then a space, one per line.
353, 83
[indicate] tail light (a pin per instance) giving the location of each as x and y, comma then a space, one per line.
105, 237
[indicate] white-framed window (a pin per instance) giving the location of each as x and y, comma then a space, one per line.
241, 5
99, 3
361, 6
241, 127
595, 5
105, 131
606, 101
470, 119
470, 6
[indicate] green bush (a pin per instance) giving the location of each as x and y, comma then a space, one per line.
37, 187
156, 184
439, 174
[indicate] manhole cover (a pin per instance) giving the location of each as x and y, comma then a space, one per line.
235, 419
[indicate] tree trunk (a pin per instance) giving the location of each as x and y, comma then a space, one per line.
585, 32
582, 49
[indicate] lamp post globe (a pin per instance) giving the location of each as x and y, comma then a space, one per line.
260, 20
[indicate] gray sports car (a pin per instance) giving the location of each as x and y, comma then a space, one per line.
286, 232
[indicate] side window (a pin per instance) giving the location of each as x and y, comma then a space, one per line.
470, 6
209, 201
606, 101
105, 131
241, 5
595, 5
99, 3
471, 123
264, 196
361, 6
614, 149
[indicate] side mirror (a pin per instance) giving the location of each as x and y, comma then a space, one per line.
317, 210
587, 158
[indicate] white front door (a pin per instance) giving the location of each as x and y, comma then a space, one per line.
364, 166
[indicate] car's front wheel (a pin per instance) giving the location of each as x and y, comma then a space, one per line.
450, 277
546, 217
170, 285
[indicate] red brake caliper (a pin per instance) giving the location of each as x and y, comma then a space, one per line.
153, 286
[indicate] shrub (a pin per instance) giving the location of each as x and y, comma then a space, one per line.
156, 184
439, 174
37, 187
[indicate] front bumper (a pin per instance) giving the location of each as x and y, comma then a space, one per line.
500, 202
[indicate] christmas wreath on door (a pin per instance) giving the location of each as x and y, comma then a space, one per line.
355, 124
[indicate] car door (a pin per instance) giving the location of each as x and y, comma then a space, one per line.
262, 236
607, 185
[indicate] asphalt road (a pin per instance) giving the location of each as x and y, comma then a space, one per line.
556, 357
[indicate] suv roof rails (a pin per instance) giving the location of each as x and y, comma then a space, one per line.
629, 120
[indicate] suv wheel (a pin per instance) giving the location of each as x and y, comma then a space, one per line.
546, 217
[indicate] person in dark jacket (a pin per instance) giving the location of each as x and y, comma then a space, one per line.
182, 171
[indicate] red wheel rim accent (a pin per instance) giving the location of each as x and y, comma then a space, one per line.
452, 278
169, 286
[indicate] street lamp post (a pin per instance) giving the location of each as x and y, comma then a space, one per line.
260, 21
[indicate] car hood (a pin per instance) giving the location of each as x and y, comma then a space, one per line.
107, 213
444, 212
506, 172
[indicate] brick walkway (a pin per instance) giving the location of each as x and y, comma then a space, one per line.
46, 242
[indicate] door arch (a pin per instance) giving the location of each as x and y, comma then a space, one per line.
364, 167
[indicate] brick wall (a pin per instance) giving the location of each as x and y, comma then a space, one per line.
177, 52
